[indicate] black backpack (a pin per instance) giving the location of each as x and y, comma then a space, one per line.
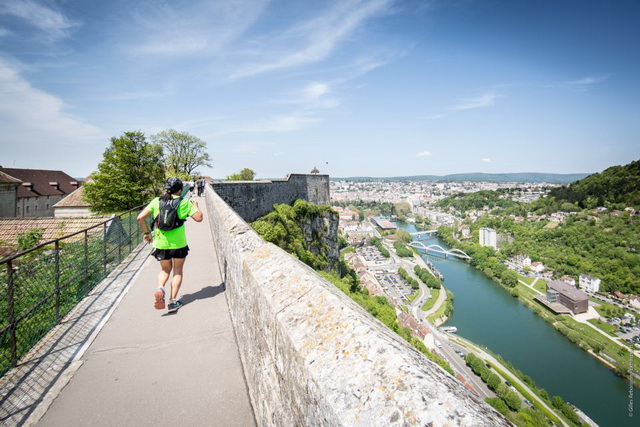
168, 219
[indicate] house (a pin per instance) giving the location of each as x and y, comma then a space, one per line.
568, 280
634, 301
465, 232
589, 283
567, 295
8, 195
537, 267
38, 190
521, 261
73, 206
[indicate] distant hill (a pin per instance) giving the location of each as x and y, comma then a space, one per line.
617, 184
551, 178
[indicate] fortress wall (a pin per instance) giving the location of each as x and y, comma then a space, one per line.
311, 356
253, 199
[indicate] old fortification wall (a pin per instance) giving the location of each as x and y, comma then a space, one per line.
253, 199
313, 357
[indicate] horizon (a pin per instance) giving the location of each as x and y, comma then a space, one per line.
378, 88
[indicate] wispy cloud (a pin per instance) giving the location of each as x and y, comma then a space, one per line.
423, 154
184, 27
586, 81
486, 160
486, 100
313, 40
52, 23
35, 114
436, 117
286, 123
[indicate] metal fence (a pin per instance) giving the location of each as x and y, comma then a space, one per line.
42, 284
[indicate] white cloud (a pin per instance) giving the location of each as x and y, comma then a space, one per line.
486, 160
486, 100
436, 117
586, 81
286, 123
52, 23
423, 154
320, 37
37, 116
183, 27
4, 32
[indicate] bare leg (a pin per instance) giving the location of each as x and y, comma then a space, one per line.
176, 281
165, 272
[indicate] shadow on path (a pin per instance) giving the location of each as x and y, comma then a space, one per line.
204, 293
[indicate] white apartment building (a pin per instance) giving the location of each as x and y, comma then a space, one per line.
589, 283
488, 237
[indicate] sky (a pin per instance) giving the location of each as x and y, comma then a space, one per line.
352, 87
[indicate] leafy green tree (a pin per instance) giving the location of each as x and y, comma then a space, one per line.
184, 153
509, 278
245, 174
512, 400
30, 238
498, 405
130, 174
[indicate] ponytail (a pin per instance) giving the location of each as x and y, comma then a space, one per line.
166, 196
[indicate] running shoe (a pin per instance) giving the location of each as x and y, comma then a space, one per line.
159, 296
174, 306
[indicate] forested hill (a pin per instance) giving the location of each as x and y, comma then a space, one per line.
615, 185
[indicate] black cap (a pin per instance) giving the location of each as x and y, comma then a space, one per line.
173, 185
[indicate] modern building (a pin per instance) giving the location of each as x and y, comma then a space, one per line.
488, 237
569, 296
589, 283
38, 190
383, 223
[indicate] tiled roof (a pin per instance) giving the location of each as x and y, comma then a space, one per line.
7, 178
73, 200
568, 290
41, 182
53, 227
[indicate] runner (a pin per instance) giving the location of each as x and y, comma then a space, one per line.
170, 246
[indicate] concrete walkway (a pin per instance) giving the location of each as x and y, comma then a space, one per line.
148, 367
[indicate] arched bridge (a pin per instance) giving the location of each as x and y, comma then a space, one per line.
439, 249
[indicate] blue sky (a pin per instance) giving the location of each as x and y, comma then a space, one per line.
354, 88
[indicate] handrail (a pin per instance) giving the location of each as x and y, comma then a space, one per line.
40, 245
40, 291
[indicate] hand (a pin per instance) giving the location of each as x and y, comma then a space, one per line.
195, 203
148, 237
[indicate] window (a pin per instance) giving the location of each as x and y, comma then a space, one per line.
26, 209
46, 207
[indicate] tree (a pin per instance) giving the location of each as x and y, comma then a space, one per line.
184, 153
509, 278
30, 238
130, 174
245, 174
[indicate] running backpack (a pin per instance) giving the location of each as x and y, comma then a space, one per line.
168, 219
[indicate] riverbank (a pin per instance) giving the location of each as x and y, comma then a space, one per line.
601, 346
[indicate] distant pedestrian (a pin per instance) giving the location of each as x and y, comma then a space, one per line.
200, 184
170, 245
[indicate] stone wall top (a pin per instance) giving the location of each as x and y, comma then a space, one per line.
313, 357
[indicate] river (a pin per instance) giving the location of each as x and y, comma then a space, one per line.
488, 315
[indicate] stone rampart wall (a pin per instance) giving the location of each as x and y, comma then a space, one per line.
311, 356
253, 199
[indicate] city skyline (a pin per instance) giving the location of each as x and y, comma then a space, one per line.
375, 88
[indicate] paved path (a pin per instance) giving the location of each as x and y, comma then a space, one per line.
147, 367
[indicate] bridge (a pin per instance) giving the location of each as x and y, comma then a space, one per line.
262, 340
439, 249
425, 232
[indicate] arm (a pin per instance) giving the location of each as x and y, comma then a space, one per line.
197, 217
143, 224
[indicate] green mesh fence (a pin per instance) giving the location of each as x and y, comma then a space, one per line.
39, 287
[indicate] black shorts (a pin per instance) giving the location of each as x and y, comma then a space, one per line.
162, 254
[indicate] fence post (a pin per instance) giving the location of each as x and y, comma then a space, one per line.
12, 316
130, 233
86, 259
104, 248
57, 273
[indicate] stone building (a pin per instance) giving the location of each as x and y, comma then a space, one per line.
8, 195
38, 191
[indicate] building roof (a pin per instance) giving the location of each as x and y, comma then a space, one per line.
567, 290
73, 200
40, 182
53, 228
4, 178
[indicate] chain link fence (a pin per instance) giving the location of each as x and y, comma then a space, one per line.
41, 285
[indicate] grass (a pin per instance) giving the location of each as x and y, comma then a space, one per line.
428, 304
603, 326
413, 296
527, 280
438, 314
541, 285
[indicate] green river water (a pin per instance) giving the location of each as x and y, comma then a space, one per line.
488, 315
